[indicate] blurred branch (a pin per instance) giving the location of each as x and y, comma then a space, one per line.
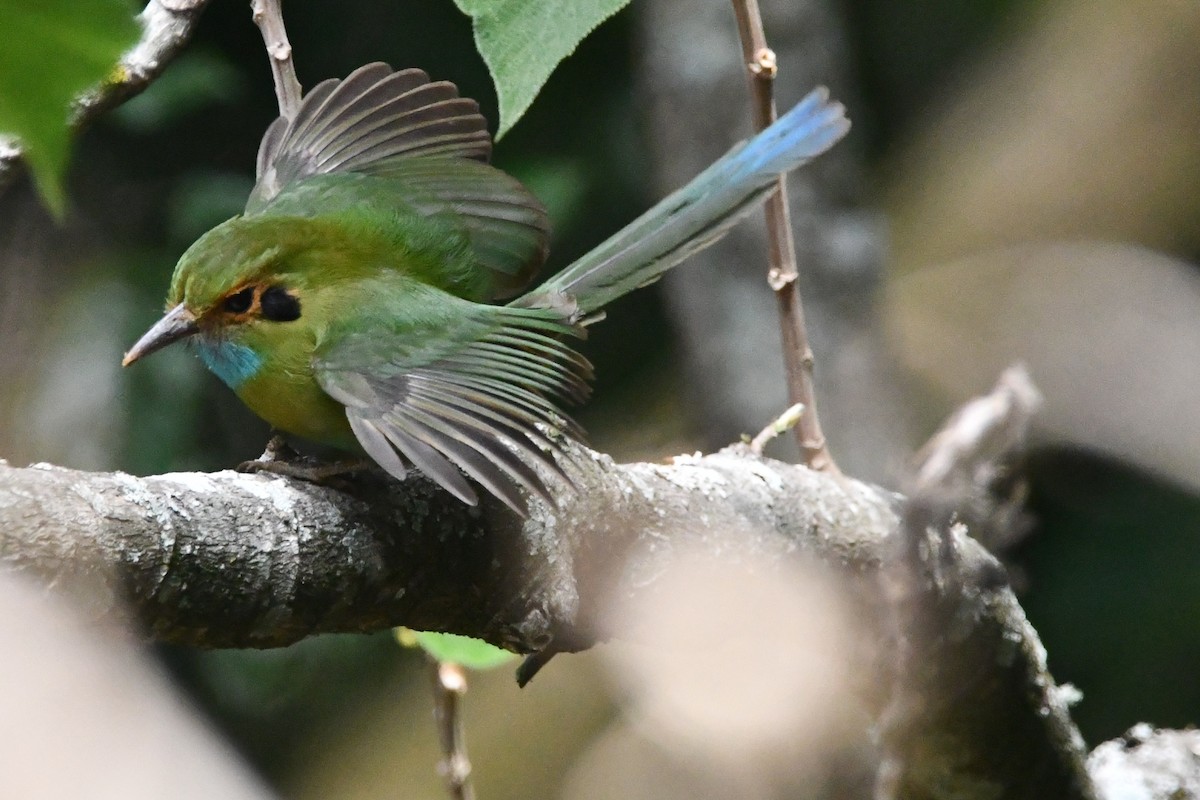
449, 686
932, 581
797, 354
166, 27
68, 684
268, 16
227, 559
969, 448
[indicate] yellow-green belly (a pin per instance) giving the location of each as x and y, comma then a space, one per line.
296, 404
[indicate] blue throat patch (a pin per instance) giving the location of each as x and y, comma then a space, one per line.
231, 362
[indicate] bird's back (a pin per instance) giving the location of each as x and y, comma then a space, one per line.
407, 157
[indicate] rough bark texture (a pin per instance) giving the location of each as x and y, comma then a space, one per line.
962, 651
972, 656
238, 560
227, 559
1148, 764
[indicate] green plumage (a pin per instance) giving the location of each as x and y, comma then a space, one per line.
350, 303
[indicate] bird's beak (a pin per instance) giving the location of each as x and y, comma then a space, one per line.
176, 324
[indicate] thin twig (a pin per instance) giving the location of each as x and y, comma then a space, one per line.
268, 16
449, 686
166, 27
783, 423
797, 355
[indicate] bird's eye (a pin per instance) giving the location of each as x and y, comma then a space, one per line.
239, 303
280, 306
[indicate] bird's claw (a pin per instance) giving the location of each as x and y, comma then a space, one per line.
279, 458
277, 450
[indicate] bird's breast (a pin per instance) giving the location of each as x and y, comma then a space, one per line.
282, 390
291, 400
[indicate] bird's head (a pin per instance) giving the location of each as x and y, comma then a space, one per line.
241, 289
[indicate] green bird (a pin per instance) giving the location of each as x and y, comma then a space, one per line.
355, 302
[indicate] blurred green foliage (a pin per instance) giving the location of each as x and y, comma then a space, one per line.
269, 701
50, 52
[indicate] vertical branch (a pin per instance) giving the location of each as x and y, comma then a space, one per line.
268, 16
449, 686
797, 355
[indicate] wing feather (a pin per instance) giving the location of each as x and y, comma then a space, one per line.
480, 399
489, 461
371, 117
507, 226
426, 457
475, 465
375, 442
541, 376
485, 422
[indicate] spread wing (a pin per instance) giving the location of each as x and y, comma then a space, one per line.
425, 147
371, 117
473, 392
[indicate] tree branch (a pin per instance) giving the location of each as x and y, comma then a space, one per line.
268, 16
797, 354
228, 559
1148, 764
166, 27
449, 685
234, 560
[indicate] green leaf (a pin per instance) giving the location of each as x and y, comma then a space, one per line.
470, 653
523, 41
51, 51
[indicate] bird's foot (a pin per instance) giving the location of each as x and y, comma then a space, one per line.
277, 449
279, 458
307, 469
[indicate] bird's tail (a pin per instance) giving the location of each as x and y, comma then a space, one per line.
697, 215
